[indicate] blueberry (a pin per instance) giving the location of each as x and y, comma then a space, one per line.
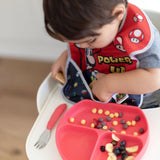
120, 115
123, 143
108, 119
102, 148
141, 130
123, 121
137, 118
103, 123
99, 126
125, 126
122, 148
116, 151
100, 119
124, 156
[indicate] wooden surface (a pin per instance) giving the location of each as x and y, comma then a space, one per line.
19, 82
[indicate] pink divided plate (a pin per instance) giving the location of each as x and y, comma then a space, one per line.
77, 141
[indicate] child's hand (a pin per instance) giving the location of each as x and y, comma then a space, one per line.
59, 65
99, 89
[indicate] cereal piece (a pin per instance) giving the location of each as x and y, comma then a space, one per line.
107, 113
128, 123
114, 137
123, 132
116, 114
111, 115
75, 84
135, 133
100, 111
94, 110
133, 123
141, 130
109, 147
115, 123
137, 118
114, 131
108, 119
92, 125
104, 127
83, 121
132, 149
71, 120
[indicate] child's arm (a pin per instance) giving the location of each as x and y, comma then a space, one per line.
59, 65
139, 81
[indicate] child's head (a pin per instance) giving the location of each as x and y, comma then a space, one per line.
74, 20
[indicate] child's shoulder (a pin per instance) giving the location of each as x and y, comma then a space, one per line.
136, 32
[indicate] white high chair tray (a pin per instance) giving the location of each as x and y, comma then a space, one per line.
48, 98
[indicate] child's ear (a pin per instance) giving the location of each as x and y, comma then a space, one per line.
119, 11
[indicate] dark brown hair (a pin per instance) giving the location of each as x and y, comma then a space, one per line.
77, 19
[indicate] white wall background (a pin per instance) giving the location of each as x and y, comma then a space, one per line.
22, 33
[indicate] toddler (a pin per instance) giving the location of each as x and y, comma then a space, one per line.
112, 45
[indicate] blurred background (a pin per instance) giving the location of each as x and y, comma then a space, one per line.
26, 55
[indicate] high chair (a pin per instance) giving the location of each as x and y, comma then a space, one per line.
49, 97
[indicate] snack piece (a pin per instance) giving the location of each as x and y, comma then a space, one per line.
107, 113
100, 111
111, 115
92, 125
114, 137
111, 156
132, 149
123, 132
135, 133
115, 123
116, 114
129, 158
104, 127
128, 123
83, 121
109, 147
94, 110
133, 123
60, 77
71, 119
114, 143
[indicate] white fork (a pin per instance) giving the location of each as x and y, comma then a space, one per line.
44, 137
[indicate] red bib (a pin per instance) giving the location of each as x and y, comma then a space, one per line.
119, 56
